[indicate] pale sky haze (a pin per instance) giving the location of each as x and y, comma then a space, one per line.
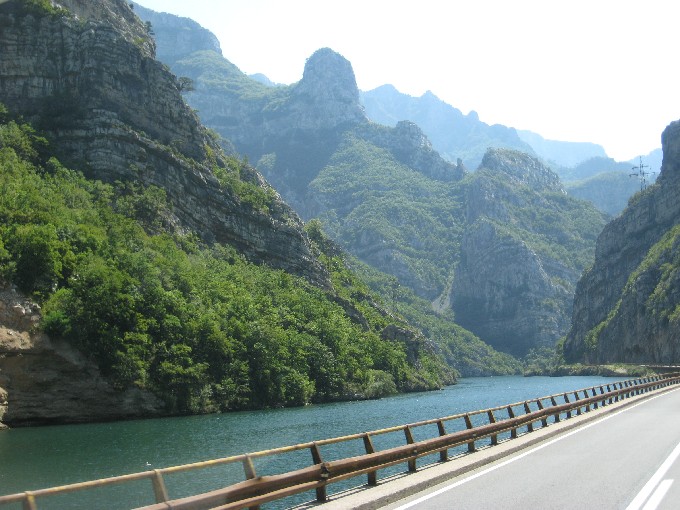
601, 71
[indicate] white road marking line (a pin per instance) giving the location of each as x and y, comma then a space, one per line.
415, 502
654, 480
659, 493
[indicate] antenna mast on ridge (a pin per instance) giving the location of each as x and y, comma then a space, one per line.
639, 172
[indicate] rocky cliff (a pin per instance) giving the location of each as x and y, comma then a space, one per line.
626, 305
295, 133
89, 79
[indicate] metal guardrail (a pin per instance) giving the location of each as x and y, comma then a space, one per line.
256, 490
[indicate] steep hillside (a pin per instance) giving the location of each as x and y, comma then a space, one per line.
174, 269
626, 306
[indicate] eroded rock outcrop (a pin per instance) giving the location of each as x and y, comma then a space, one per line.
44, 381
625, 307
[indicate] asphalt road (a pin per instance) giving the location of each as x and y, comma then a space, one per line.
628, 460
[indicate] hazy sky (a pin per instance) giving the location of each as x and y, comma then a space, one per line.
602, 71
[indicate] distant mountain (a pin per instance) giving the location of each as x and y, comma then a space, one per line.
608, 191
609, 184
592, 167
453, 134
561, 154
263, 80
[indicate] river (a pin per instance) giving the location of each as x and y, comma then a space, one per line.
33, 458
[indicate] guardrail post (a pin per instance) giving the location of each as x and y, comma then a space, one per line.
527, 410
159, 489
321, 494
544, 420
29, 503
566, 400
594, 394
409, 440
249, 469
468, 424
511, 415
368, 446
557, 415
578, 409
611, 399
444, 454
492, 419
604, 400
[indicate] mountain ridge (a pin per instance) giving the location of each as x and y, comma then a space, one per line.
383, 193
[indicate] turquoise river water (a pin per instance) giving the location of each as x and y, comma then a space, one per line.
33, 458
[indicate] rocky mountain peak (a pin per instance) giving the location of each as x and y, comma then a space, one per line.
522, 168
329, 76
411, 135
325, 99
118, 14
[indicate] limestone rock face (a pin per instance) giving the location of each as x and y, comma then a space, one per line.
89, 80
504, 293
624, 305
292, 131
43, 381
